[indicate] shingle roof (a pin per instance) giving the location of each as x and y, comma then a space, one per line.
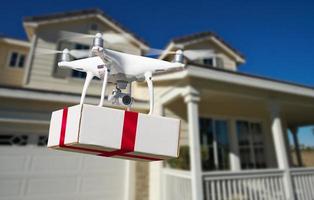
93, 11
200, 35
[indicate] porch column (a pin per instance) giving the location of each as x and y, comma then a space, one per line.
155, 167
294, 132
191, 99
281, 150
234, 154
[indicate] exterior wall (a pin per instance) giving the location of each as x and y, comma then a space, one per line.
41, 74
11, 76
228, 62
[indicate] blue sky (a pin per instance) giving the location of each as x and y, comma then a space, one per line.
277, 37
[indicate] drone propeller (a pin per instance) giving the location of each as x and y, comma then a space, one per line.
74, 53
191, 54
108, 37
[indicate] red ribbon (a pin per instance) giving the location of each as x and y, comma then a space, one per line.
127, 142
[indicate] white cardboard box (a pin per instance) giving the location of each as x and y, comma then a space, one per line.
114, 133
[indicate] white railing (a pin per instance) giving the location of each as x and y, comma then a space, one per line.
303, 182
244, 185
176, 184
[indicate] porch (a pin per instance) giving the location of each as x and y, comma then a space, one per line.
241, 185
237, 141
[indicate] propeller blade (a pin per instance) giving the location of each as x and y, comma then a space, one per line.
79, 53
109, 37
75, 53
156, 52
42, 51
67, 35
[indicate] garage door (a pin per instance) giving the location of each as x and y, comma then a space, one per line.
28, 170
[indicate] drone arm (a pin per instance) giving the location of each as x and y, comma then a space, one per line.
148, 78
104, 85
89, 77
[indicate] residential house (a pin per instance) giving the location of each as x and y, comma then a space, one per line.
233, 133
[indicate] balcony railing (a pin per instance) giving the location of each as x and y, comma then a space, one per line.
303, 182
176, 184
250, 184
242, 185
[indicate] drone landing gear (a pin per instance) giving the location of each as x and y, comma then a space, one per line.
148, 78
89, 77
103, 90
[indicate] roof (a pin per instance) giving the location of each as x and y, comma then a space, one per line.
240, 78
201, 35
15, 41
79, 13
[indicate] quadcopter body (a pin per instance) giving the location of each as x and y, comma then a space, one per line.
120, 69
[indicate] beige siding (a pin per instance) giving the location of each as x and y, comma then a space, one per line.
8, 75
41, 75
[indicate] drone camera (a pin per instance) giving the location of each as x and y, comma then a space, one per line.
126, 99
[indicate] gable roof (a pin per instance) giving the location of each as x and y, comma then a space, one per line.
14, 41
204, 35
69, 15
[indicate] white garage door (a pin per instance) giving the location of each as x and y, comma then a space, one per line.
28, 170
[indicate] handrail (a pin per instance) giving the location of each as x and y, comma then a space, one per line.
242, 174
177, 173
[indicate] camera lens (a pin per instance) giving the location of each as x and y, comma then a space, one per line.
126, 100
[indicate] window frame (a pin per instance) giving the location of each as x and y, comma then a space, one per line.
214, 144
251, 146
16, 66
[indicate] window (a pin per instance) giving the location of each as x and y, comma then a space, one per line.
63, 72
208, 61
75, 73
214, 144
251, 145
214, 62
94, 27
17, 60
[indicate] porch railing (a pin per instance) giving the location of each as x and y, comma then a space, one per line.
303, 182
249, 184
176, 184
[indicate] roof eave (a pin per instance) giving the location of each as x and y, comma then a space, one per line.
239, 79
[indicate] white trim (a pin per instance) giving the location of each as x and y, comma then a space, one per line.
55, 97
238, 79
86, 16
16, 42
24, 121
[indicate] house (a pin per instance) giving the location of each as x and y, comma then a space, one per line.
233, 135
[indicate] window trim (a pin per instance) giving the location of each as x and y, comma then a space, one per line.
16, 67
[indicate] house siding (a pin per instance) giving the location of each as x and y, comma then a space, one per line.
8, 75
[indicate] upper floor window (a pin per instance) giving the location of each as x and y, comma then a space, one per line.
208, 61
65, 72
251, 145
75, 73
214, 62
94, 27
17, 60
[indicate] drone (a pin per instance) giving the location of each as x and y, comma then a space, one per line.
118, 68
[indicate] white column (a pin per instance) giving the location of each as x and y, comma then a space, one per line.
194, 143
234, 155
155, 168
281, 150
129, 180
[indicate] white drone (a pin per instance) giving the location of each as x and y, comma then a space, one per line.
120, 69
